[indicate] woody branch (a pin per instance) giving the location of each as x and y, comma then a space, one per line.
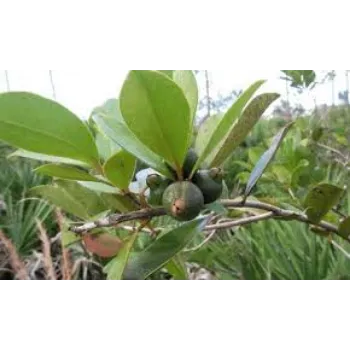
271, 212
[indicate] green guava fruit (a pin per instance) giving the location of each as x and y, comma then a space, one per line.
157, 185
183, 201
210, 182
190, 162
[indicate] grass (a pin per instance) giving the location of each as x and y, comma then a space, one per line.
274, 250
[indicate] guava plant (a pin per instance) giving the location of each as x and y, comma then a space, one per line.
117, 212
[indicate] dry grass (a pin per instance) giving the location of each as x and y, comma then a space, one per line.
15, 261
46, 245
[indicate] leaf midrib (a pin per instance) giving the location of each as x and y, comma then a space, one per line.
170, 151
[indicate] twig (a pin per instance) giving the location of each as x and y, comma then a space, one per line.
230, 224
242, 222
333, 150
48, 264
280, 213
15, 261
116, 219
212, 234
338, 212
272, 212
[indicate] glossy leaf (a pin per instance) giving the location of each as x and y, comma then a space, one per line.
266, 159
344, 228
206, 131
115, 269
45, 158
169, 73
106, 147
61, 199
320, 200
243, 127
69, 238
142, 265
109, 110
227, 122
120, 133
120, 169
99, 187
65, 172
157, 112
188, 83
117, 202
39, 125
90, 200
217, 208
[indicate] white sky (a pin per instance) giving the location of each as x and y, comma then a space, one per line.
83, 90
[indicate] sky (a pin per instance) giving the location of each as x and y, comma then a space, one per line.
81, 91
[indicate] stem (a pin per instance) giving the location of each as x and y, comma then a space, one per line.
272, 212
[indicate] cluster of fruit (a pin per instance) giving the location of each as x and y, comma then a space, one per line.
185, 199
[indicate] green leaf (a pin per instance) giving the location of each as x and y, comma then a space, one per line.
177, 268
283, 174
320, 200
317, 133
120, 133
266, 159
243, 127
65, 172
117, 202
69, 238
206, 131
217, 208
109, 110
255, 153
106, 147
115, 269
309, 77
39, 125
169, 73
45, 158
227, 122
90, 200
344, 228
157, 112
188, 83
99, 187
61, 199
142, 265
120, 169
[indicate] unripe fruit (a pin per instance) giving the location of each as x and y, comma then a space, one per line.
183, 201
210, 182
157, 185
154, 181
190, 162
